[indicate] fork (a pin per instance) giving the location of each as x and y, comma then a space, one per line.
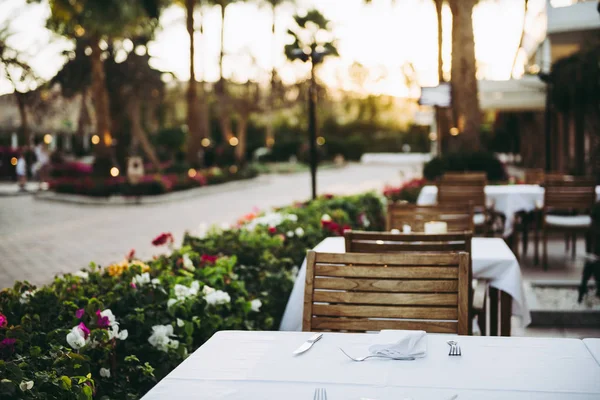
454, 348
375, 356
320, 394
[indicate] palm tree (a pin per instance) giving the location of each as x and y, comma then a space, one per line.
270, 134
306, 47
96, 21
465, 96
525, 4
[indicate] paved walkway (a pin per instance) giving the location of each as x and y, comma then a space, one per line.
40, 239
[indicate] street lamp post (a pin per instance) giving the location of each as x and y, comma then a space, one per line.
312, 130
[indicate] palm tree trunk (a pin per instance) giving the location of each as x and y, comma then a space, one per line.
438, 10
204, 112
224, 120
465, 99
101, 102
270, 134
520, 39
440, 115
21, 103
139, 137
194, 134
242, 131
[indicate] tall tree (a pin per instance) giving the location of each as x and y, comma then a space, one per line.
465, 96
19, 74
98, 21
525, 4
270, 134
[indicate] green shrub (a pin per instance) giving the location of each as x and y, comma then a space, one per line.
462, 162
162, 310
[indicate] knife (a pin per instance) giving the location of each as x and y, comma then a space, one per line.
308, 344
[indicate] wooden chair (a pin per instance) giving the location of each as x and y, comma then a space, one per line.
525, 221
370, 292
467, 188
535, 176
459, 217
386, 242
575, 198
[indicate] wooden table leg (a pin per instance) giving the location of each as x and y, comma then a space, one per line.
493, 311
505, 313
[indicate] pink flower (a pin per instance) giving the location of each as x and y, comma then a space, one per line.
163, 238
79, 313
103, 322
133, 285
85, 329
272, 230
7, 342
3, 321
208, 259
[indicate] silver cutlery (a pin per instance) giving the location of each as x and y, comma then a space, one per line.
454, 348
320, 394
308, 344
376, 356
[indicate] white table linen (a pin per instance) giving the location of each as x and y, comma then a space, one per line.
492, 260
593, 346
260, 365
508, 199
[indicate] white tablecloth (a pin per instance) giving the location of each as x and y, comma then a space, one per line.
492, 260
508, 199
260, 365
593, 346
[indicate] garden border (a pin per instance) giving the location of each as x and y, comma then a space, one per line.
120, 200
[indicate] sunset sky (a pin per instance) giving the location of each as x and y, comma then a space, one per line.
382, 36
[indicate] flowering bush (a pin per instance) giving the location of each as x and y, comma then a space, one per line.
114, 332
407, 192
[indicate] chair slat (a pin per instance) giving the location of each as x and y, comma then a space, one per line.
411, 312
323, 323
379, 271
458, 217
387, 285
386, 259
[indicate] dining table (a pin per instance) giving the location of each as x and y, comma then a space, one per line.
593, 345
492, 261
506, 199
236, 365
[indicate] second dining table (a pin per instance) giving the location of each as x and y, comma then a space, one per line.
493, 261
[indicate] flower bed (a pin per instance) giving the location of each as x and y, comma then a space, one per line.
113, 332
149, 184
408, 192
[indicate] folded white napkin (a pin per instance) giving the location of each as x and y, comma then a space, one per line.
395, 343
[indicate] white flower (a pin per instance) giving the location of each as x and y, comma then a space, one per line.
292, 217
290, 234
202, 231
194, 288
206, 290
141, 280
123, 334
105, 372
364, 220
225, 226
187, 263
255, 305
326, 218
76, 338
161, 338
181, 292
218, 297
25, 296
180, 322
170, 302
155, 282
82, 274
272, 219
111, 317
26, 385
299, 231
295, 271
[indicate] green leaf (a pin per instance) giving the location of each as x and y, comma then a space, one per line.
35, 351
65, 383
87, 391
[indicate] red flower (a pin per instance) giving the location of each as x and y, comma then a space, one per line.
85, 329
162, 239
209, 259
335, 228
7, 342
328, 196
130, 255
3, 321
272, 230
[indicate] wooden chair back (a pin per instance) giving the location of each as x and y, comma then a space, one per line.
458, 217
386, 242
359, 292
551, 177
462, 189
576, 194
535, 176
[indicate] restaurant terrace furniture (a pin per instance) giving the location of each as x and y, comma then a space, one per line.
575, 198
507, 199
466, 188
370, 292
251, 365
535, 176
493, 261
593, 346
459, 217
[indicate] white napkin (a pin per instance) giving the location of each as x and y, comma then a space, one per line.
395, 343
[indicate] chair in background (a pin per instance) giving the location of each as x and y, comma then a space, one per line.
535, 176
525, 221
467, 188
358, 292
459, 217
567, 208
